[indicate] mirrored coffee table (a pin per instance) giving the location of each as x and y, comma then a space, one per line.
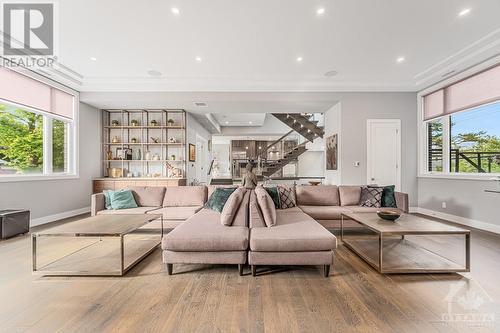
411, 244
102, 245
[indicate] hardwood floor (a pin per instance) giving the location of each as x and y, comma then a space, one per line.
203, 298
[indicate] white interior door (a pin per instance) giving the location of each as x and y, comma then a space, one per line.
384, 152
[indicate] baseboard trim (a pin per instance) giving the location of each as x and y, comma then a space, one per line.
59, 216
459, 219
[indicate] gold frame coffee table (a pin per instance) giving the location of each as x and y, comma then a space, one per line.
393, 253
92, 248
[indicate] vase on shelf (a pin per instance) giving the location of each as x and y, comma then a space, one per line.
147, 155
134, 122
115, 139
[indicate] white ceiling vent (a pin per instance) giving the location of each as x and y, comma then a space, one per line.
201, 104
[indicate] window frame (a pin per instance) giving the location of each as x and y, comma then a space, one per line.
423, 159
72, 145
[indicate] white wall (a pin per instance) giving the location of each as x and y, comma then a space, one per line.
49, 200
355, 109
193, 129
271, 126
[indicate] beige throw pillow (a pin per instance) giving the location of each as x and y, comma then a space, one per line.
266, 205
231, 206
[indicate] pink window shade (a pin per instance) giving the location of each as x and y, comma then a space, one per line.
20, 89
479, 89
434, 105
62, 103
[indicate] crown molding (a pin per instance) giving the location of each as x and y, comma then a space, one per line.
475, 53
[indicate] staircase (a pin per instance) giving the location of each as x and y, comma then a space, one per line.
274, 166
302, 124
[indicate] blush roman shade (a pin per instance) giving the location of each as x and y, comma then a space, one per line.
20, 89
473, 91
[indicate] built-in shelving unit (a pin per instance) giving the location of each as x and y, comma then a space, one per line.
146, 143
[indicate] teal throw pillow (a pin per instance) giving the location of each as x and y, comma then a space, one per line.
388, 197
122, 200
107, 198
273, 193
218, 198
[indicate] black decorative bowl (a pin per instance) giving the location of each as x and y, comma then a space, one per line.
388, 215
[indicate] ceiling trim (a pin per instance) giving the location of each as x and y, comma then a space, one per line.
471, 55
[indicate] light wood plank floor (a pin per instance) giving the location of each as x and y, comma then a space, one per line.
202, 298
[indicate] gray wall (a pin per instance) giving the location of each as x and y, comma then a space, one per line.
464, 198
194, 128
356, 108
49, 197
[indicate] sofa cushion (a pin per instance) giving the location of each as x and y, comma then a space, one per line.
322, 195
388, 197
286, 196
293, 232
218, 199
179, 196
266, 205
232, 205
371, 196
325, 212
177, 213
138, 210
148, 196
349, 195
204, 232
123, 199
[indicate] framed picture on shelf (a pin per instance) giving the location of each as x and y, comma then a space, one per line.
192, 153
123, 153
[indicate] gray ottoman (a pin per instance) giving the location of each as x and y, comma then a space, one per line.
14, 222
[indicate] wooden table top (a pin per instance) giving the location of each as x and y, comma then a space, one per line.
407, 224
101, 225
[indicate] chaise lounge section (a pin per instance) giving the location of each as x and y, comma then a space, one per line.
202, 239
295, 239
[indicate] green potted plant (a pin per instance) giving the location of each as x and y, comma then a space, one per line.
170, 122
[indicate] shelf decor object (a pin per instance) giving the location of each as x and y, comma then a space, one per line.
136, 143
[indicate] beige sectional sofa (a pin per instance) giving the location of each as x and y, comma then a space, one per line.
299, 237
176, 204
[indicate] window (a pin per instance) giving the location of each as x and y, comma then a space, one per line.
461, 127
475, 140
23, 135
37, 128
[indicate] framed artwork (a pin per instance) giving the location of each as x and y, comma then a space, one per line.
332, 152
192, 153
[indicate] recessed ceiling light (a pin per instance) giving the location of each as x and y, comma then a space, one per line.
176, 11
198, 59
154, 73
299, 59
227, 122
400, 60
320, 11
331, 73
201, 104
250, 123
464, 12
93, 58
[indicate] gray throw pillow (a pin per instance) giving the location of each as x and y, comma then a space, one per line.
371, 196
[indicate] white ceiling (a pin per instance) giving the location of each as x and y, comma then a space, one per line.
240, 119
253, 45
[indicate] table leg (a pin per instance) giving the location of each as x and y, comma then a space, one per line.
341, 227
380, 253
467, 252
122, 256
33, 252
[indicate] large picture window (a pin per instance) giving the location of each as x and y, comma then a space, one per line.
461, 126
37, 129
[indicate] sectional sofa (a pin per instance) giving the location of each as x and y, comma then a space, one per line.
299, 237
